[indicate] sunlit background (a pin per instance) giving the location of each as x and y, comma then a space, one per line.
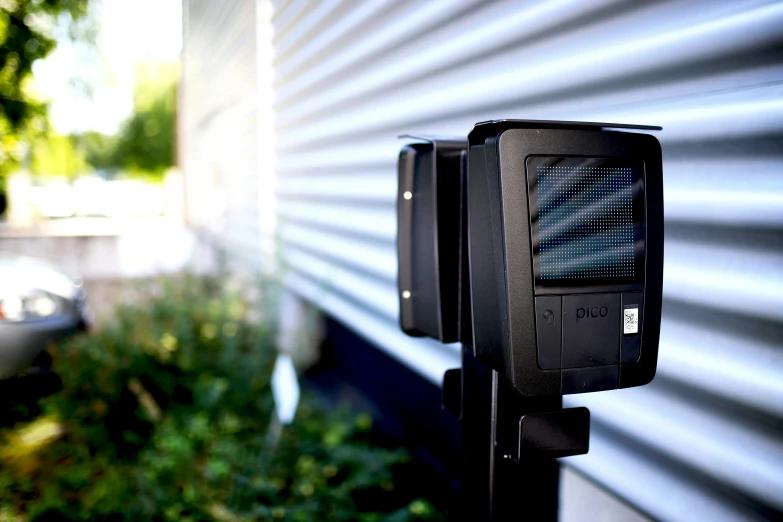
104, 144
247, 137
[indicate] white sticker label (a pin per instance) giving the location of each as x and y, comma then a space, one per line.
631, 321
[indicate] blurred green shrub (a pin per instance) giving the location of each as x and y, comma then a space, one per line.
167, 415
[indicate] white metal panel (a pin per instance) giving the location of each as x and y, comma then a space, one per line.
219, 125
703, 442
428, 357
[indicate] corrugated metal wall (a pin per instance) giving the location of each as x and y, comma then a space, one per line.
705, 440
218, 125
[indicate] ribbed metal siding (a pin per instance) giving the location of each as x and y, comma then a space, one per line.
219, 105
705, 440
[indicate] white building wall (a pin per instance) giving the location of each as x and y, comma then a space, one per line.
703, 442
220, 108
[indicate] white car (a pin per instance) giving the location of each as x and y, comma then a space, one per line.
38, 305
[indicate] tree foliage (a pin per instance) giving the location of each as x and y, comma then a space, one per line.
26, 36
145, 143
144, 146
54, 154
99, 150
146, 140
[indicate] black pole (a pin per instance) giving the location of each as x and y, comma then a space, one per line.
477, 443
495, 485
527, 487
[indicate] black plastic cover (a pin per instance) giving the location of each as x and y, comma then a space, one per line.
501, 272
429, 235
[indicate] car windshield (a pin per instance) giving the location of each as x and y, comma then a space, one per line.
19, 272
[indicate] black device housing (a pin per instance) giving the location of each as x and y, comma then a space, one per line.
501, 258
429, 236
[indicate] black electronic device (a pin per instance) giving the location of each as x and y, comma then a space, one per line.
539, 246
429, 236
565, 227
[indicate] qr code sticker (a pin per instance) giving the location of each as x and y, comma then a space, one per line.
631, 321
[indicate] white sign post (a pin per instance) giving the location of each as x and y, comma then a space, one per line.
285, 389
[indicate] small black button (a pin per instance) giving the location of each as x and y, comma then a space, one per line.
583, 380
591, 330
548, 331
632, 327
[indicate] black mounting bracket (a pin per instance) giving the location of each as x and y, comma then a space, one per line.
521, 431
